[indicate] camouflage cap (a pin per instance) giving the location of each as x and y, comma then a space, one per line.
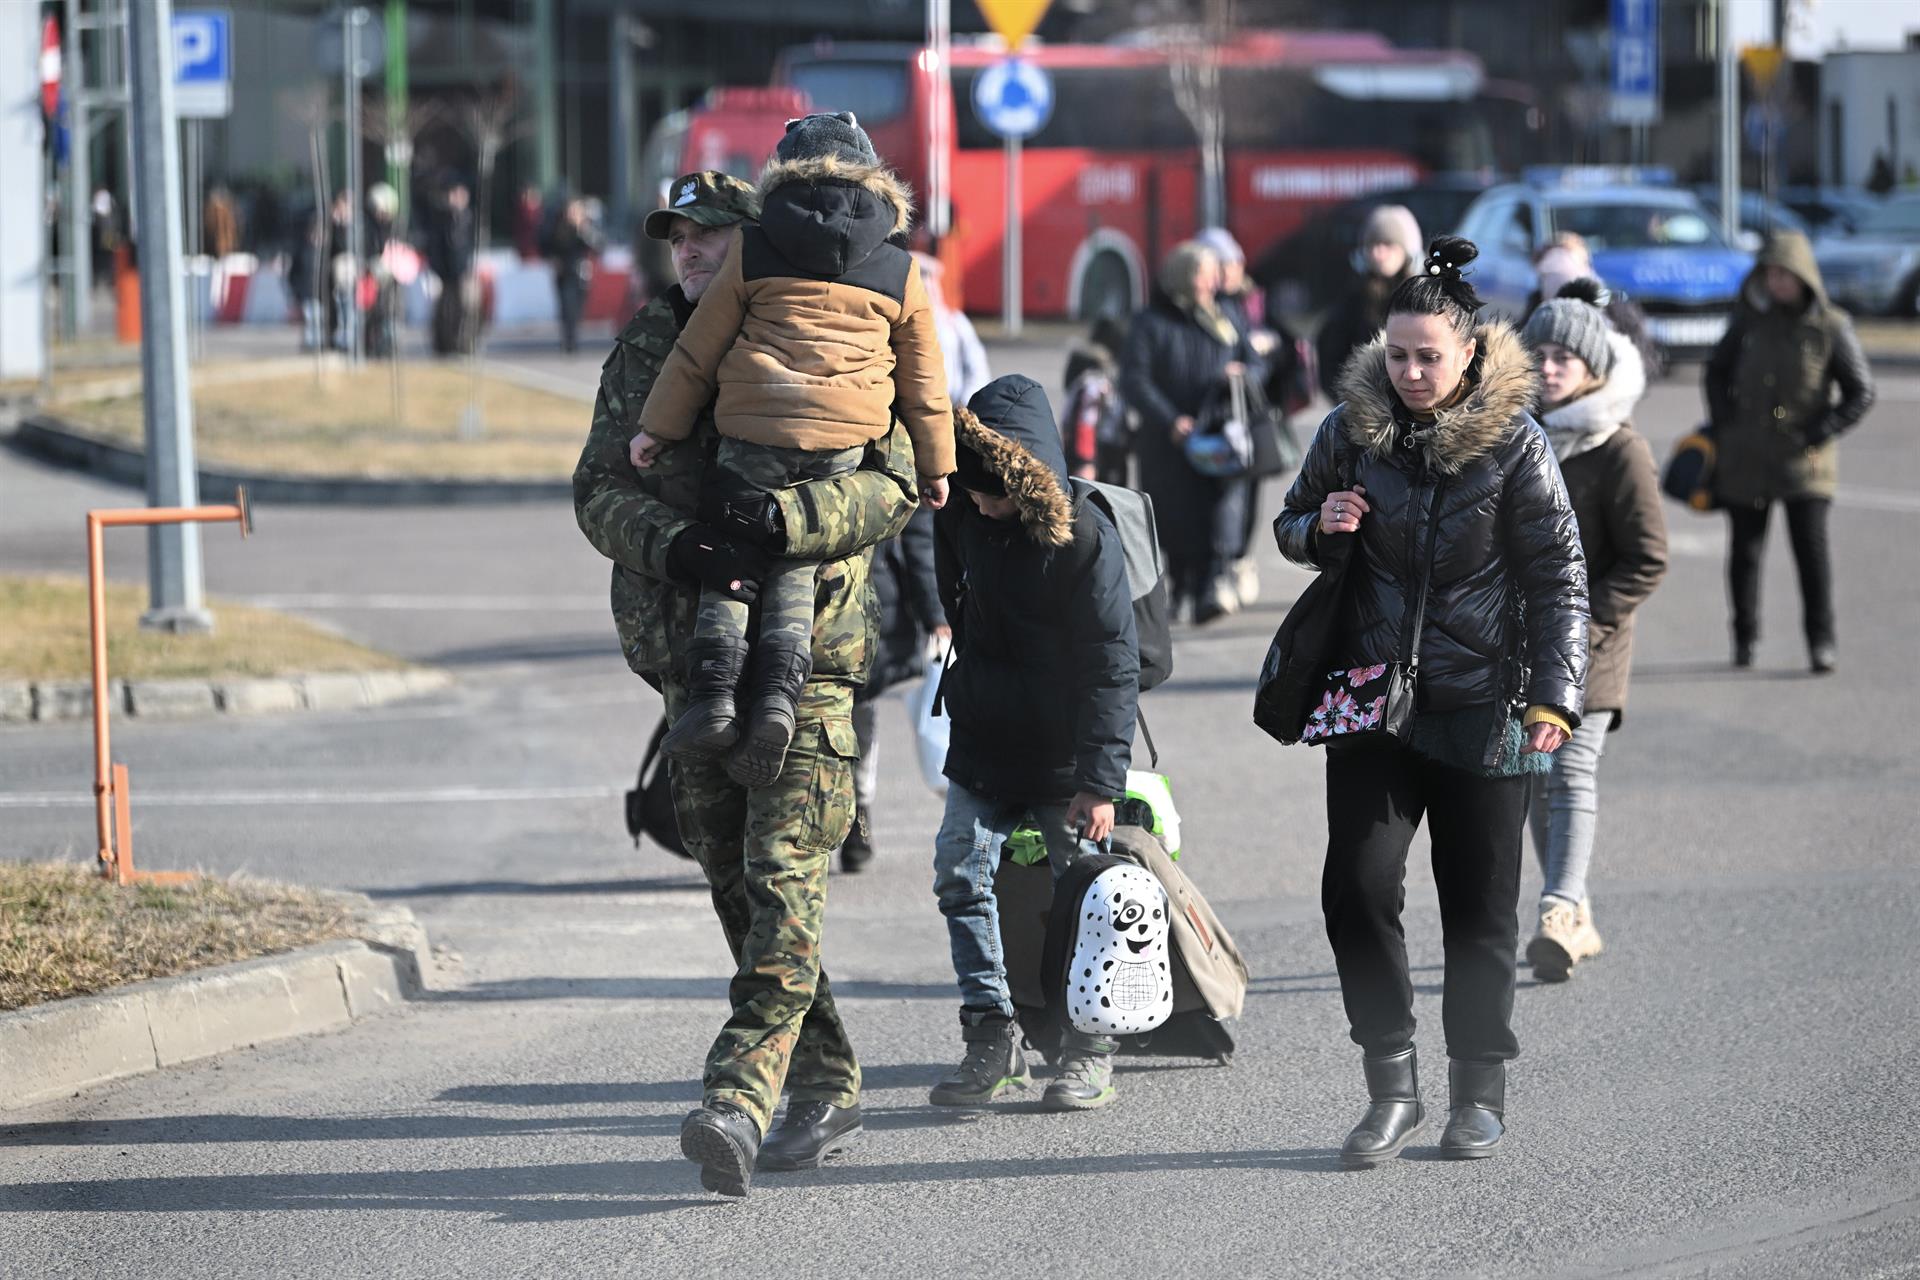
709, 197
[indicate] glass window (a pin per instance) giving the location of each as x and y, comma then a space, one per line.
1516, 233
1639, 226
1894, 217
876, 92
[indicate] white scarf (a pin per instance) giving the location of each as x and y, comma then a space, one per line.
1591, 420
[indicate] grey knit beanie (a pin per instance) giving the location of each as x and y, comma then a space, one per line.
1571, 321
1395, 224
820, 135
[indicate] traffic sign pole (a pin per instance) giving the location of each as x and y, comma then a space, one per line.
177, 595
1010, 256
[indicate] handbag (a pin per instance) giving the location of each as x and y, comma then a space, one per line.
1222, 445
1688, 476
932, 730
650, 809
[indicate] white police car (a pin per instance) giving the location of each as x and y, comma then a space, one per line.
1654, 243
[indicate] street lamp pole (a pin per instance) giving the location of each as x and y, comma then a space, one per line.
1729, 123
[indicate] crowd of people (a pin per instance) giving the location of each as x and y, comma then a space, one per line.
1479, 503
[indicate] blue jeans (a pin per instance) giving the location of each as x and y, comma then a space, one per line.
1565, 808
966, 856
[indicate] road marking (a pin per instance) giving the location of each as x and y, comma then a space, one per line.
1880, 499
436, 604
260, 799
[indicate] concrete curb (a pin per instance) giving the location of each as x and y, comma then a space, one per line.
52, 440
54, 1050
44, 701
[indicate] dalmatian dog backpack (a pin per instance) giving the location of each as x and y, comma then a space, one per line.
1107, 962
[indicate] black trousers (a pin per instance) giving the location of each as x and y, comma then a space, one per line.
1376, 797
1812, 556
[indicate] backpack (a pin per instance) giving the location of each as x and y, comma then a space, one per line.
1106, 966
1132, 514
1209, 977
650, 809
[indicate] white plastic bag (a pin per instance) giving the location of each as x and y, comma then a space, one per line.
930, 731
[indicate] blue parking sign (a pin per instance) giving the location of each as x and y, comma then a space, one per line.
1635, 57
202, 62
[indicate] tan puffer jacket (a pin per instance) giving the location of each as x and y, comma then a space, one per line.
817, 331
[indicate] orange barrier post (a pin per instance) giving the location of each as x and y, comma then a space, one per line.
112, 807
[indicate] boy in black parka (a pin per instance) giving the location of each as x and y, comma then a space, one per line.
1041, 695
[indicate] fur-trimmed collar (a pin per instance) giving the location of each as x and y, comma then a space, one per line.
1046, 512
876, 178
1591, 420
1505, 386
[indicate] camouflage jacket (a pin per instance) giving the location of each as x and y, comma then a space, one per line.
632, 517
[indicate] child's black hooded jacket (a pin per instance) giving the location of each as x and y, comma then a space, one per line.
1045, 684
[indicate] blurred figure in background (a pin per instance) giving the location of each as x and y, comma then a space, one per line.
1390, 251
967, 369
306, 269
1771, 386
529, 223
383, 211
219, 224
1093, 423
337, 284
1180, 352
1566, 258
450, 250
572, 247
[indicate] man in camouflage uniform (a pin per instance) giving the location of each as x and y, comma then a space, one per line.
765, 852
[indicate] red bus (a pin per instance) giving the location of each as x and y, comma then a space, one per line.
1114, 178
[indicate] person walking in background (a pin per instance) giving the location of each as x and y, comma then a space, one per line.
1389, 252
341, 268
1782, 386
1180, 351
573, 246
1566, 258
1434, 491
1093, 423
450, 249
1591, 378
383, 212
529, 223
967, 368
220, 224
764, 851
307, 280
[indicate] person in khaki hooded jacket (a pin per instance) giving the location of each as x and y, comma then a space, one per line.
1771, 393
816, 332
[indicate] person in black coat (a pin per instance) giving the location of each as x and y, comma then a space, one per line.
573, 245
907, 598
1179, 353
1042, 696
1388, 253
1431, 479
450, 252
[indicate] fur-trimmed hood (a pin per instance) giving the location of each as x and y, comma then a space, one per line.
827, 215
1505, 388
1022, 448
1590, 420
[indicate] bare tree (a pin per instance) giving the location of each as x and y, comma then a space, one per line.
1195, 68
396, 133
312, 109
490, 122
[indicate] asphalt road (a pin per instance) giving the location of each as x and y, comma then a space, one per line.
1722, 1093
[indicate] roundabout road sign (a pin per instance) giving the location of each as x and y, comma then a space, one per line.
1014, 98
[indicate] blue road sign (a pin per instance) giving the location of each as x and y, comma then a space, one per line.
1014, 98
202, 62
1635, 79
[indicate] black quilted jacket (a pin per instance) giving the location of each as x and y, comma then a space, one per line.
1479, 493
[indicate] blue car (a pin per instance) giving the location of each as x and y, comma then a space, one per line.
1657, 245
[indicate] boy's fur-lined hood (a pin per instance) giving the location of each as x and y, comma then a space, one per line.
1505, 387
1017, 451
826, 215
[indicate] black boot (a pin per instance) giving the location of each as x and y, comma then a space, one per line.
857, 850
780, 671
710, 723
1394, 1114
724, 1141
1479, 1106
993, 1064
809, 1135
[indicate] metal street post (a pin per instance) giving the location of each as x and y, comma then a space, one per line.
400, 141
177, 595
353, 21
1010, 259
1729, 124
79, 313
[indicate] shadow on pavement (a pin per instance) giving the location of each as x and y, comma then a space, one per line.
667, 989
509, 888
543, 649
578, 1093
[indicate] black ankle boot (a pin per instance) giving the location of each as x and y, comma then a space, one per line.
779, 673
811, 1134
1476, 1120
710, 724
1394, 1114
725, 1142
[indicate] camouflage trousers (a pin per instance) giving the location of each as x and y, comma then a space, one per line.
786, 591
765, 853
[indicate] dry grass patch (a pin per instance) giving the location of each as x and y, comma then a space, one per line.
43, 636
1884, 336
66, 932
344, 424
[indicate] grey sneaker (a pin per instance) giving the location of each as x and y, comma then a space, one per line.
1085, 1082
994, 1062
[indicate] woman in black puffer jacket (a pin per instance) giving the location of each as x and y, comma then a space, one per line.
1433, 461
